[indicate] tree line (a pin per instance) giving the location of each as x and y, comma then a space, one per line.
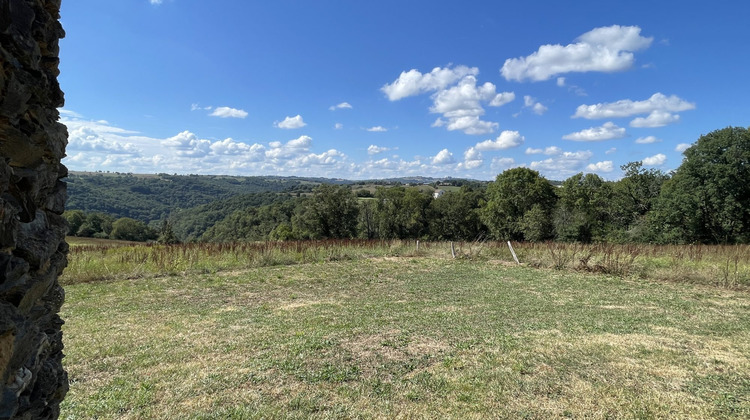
705, 200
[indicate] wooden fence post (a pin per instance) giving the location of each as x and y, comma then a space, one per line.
513, 252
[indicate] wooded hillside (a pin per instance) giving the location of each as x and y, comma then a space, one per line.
706, 200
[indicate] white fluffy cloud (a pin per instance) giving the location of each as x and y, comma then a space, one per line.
536, 107
605, 166
374, 150
291, 123
461, 106
628, 108
444, 157
562, 164
682, 147
469, 125
338, 126
227, 112
412, 82
327, 158
392, 166
500, 164
647, 140
155, 1
389, 167
229, 147
608, 131
655, 160
506, 140
342, 105
87, 139
296, 147
605, 49
502, 98
550, 151
472, 158
377, 129
464, 99
655, 119
187, 144
456, 96
98, 145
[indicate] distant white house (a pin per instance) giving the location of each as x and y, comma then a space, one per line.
438, 193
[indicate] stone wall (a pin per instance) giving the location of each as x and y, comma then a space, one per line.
32, 232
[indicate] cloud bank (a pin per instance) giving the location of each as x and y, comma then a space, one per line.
606, 49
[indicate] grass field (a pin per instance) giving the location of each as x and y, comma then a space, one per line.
373, 333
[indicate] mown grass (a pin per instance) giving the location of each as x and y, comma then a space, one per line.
384, 333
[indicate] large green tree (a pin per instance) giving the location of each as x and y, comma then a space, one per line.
633, 198
512, 195
455, 215
401, 212
129, 229
98, 225
581, 213
75, 219
708, 198
331, 212
252, 223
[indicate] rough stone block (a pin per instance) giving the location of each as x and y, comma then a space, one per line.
32, 196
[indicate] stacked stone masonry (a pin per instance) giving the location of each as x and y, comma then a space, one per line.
33, 251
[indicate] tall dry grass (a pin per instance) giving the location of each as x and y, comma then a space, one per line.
720, 265
100, 261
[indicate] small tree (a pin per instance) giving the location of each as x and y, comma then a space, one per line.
166, 233
282, 232
366, 221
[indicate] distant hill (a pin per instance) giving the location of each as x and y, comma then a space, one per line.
154, 197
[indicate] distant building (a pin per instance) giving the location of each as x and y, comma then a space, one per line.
438, 193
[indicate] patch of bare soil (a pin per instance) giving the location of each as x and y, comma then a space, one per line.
389, 347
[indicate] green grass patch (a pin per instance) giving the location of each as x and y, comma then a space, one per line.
415, 336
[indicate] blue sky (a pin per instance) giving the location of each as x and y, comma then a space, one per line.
382, 89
